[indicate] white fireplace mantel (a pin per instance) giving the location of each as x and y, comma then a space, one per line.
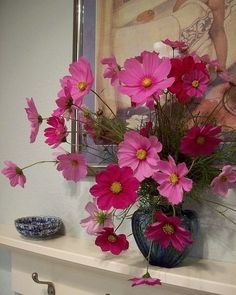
75, 263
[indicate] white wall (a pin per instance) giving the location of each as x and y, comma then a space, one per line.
35, 50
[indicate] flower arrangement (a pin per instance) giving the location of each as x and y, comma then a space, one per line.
175, 154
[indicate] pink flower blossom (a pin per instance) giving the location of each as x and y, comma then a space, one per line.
112, 70
14, 174
97, 220
34, 118
73, 166
64, 101
81, 79
139, 153
57, 133
200, 140
142, 80
195, 83
115, 187
224, 181
145, 131
175, 44
172, 182
108, 240
145, 280
167, 230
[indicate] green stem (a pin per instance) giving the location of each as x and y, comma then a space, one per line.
104, 102
39, 162
123, 218
149, 254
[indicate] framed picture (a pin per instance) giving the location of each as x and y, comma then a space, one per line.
125, 28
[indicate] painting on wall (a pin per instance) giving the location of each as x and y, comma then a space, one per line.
125, 28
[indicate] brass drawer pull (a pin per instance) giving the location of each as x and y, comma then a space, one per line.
51, 288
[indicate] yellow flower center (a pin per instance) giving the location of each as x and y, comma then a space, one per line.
146, 82
168, 229
224, 178
200, 140
116, 187
74, 163
141, 154
82, 85
112, 238
174, 178
195, 83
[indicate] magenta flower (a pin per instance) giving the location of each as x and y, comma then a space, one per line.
81, 79
195, 83
64, 101
14, 174
115, 187
57, 133
73, 166
175, 44
224, 181
172, 180
143, 80
145, 280
200, 140
97, 220
167, 231
145, 131
108, 240
112, 70
34, 118
139, 153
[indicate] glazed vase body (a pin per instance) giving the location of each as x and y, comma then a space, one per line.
164, 257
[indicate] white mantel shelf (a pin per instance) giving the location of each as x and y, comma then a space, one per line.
202, 275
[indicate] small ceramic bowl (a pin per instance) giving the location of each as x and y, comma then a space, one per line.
38, 227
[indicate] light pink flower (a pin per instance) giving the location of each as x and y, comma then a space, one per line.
97, 220
108, 240
172, 180
14, 174
139, 153
64, 101
145, 280
115, 187
57, 133
140, 81
195, 83
34, 118
200, 140
175, 44
167, 230
224, 181
58, 151
112, 70
81, 79
73, 166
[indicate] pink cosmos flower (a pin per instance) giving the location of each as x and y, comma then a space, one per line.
175, 44
145, 131
167, 230
108, 240
81, 79
115, 187
97, 220
139, 153
112, 70
143, 80
14, 174
57, 133
145, 280
172, 180
195, 83
34, 118
73, 166
224, 181
64, 101
200, 140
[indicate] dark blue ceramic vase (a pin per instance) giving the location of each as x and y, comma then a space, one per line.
164, 257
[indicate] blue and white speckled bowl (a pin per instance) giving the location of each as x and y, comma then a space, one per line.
38, 227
